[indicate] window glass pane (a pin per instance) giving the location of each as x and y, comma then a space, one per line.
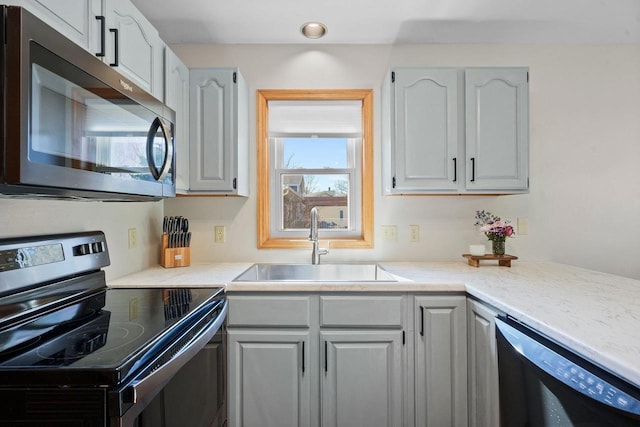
315, 153
328, 192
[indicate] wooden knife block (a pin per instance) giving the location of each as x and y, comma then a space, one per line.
174, 257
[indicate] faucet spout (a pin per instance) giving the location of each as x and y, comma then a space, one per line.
313, 237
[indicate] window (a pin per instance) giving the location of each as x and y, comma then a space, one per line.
315, 150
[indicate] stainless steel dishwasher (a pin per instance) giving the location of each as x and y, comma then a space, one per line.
544, 384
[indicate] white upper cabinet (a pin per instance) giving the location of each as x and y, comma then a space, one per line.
114, 31
497, 129
219, 117
134, 47
177, 98
75, 19
454, 130
426, 130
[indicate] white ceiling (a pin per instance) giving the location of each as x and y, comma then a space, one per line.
397, 21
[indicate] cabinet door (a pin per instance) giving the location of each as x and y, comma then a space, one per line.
134, 47
497, 129
177, 98
426, 153
440, 361
269, 378
75, 19
483, 366
213, 103
361, 378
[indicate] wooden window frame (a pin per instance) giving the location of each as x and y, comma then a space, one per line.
265, 240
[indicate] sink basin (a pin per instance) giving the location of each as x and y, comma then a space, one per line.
315, 273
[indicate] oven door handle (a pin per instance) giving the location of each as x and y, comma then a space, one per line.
151, 384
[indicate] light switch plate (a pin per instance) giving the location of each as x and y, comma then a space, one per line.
133, 238
523, 226
414, 233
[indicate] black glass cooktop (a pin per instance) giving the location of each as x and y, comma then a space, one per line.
118, 330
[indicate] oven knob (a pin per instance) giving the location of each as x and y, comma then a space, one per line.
80, 250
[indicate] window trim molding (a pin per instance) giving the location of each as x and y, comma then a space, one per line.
265, 240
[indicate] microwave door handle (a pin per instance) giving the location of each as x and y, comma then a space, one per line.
169, 145
159, 173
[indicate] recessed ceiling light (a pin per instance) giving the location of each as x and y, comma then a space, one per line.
313, 30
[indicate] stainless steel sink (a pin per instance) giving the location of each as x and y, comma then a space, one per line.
315, 273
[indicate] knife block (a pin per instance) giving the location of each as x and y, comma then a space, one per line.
174, 257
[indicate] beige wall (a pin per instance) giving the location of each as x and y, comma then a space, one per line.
34, 217
584, 202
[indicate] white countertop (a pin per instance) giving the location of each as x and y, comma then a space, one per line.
595, 314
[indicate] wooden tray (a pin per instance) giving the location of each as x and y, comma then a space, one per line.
503, 260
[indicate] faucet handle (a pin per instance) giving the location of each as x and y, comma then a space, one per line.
325, 251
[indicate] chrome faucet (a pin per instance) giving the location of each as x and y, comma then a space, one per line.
313, 236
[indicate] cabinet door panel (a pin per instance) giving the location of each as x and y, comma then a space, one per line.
177, 98
72, 18
269, 311
362, 381
497, 129
140, 50
426, 140
212, 106
483, 366
269, 381
441, 363
361, 311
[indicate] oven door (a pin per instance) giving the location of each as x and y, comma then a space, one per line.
186, 388
543, 384
196, 396
82, 127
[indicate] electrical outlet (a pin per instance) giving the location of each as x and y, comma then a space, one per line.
220, 233
390, 233
523, 226
414, 233
133, 238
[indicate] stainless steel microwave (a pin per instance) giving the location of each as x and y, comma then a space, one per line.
71, 126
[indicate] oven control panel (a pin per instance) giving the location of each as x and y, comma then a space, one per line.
49, 258
30, 256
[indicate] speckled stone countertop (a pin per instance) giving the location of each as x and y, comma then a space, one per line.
595, 314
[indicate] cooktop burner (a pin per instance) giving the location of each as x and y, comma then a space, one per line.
111, 342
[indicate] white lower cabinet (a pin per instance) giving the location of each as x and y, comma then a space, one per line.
269, 381
440, 361
346, 360
361, 382
484, 408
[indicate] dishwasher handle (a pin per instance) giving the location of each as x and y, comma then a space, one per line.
544, 354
